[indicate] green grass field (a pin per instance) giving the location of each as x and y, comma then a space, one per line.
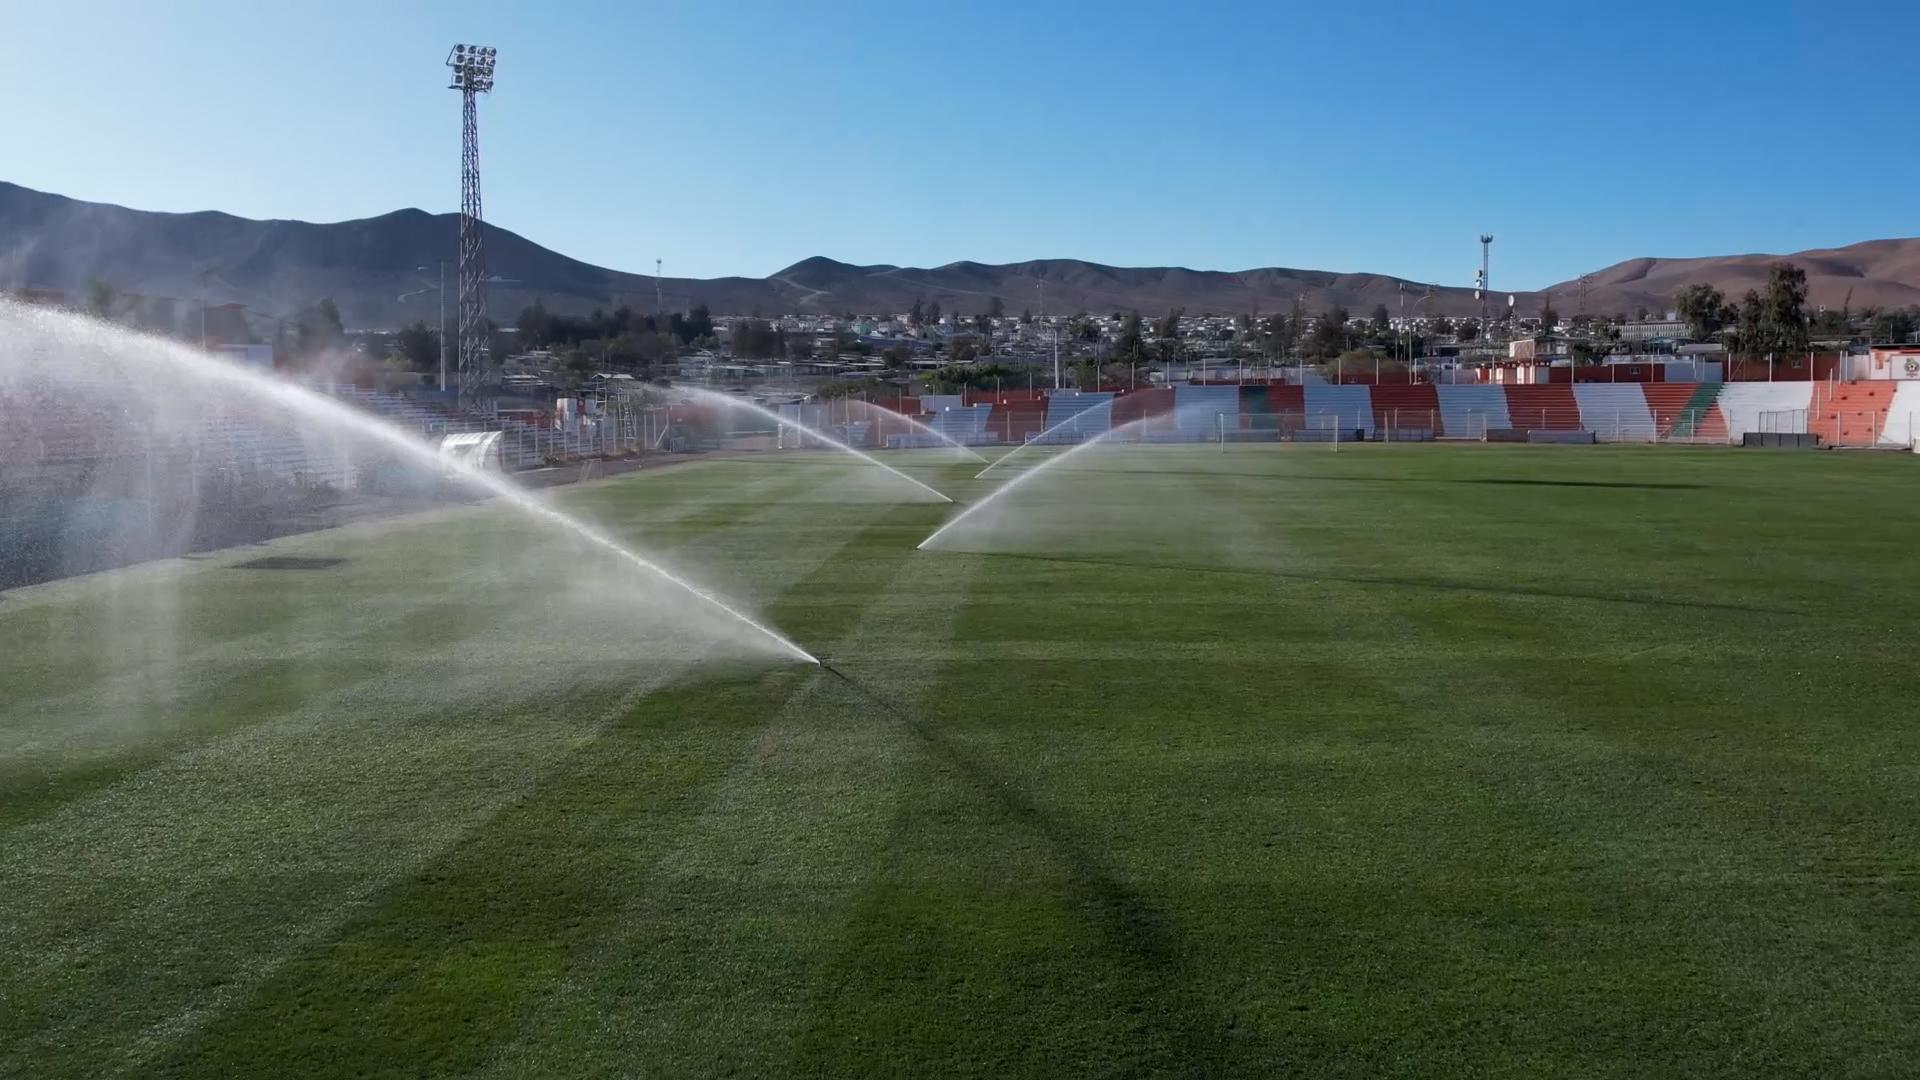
1402, 761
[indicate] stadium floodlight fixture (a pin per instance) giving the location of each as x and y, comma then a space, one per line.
472, 68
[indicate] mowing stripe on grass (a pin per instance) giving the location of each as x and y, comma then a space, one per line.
421, 774
313, 651
764, 877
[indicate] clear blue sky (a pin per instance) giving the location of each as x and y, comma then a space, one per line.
741, 138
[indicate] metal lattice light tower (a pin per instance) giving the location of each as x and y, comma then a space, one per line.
472, 75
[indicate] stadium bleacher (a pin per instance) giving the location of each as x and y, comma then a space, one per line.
1615, 412
1902, 425
1346, 407
964, 424
1543, 407
1407, 407
1077, 415
1197, 411
1758, 406
1015, 420
1467, 411
1289, 404
1685, 412
1850, 413
1153, 402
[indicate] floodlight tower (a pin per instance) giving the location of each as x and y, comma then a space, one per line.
472, 75
1486, 244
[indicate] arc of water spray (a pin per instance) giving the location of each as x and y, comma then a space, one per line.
918, 426
1028, 475
301, 400
762, 410
1042, 437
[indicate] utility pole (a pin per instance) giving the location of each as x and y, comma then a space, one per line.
659, 306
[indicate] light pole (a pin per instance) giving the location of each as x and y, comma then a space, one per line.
1040, 290
442, 334
203, 307
473, 68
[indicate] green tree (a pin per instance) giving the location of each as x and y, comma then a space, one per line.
1549, 319
579, 366
756, 339
1127, 345
1892, 326
1442, 325
996, 308
843, 388
1330, 337
1751, 337
316, 328
917, 315
698, 324
933, 313
897, 355
958, 378
1467, 330
1829, 323
1382, 322
1277, 336
1351, 362
419, 346
1785, 319
1704, 308
100, 298
1168, 327
532, 326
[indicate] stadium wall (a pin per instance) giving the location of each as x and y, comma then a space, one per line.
1644, 408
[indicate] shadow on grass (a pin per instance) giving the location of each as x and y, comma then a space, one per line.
291, 562
1131, 926
1620, 484
1398, 583
1648, 485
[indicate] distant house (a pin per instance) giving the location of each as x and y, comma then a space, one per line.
1890, 362
1650, 329
253, 356
41, 297
225, 324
